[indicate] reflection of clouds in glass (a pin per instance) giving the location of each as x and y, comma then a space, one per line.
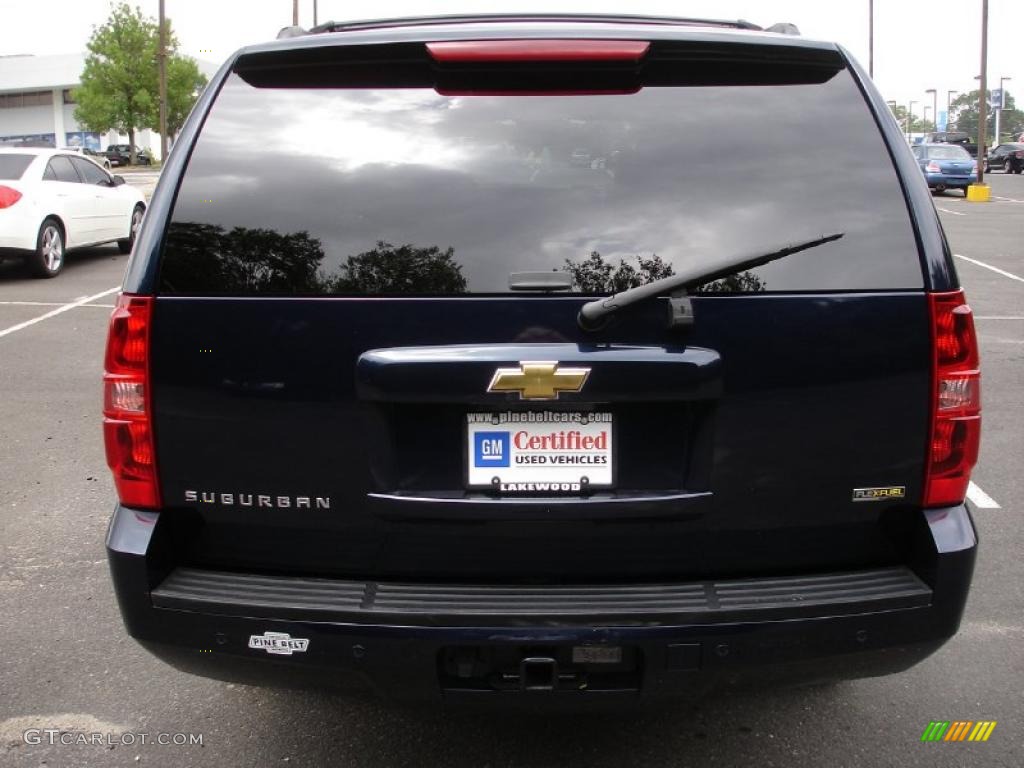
347, 132
526, 182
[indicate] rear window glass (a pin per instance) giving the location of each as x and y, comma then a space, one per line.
12, 167
396, 191
948, 153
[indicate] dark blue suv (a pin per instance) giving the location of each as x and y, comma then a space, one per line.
487, 357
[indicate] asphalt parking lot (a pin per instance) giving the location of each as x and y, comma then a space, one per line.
67, 662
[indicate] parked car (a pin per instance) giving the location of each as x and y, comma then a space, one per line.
424, 409
52, 201
957, 138
1007, 157
92, 154
946, 166
120, 154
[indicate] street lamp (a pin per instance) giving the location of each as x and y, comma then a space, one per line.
949, 111
935, 108
910, 118
981, 191
871, 39
999, 107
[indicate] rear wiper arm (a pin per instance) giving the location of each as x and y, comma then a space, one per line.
594, 313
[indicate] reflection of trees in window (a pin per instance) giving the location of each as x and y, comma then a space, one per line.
595, 275
204, 258
400, 269
741, 282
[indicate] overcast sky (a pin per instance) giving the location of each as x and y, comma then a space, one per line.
918, 45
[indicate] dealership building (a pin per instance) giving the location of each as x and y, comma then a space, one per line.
36, 105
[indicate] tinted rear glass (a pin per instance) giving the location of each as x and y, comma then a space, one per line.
12, 167
314, 190
948, 153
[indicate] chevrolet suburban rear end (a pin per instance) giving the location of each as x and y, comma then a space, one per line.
488, 357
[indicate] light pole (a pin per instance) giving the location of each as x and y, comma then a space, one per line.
935, 108
999, 107
910, 118
949, 110
162, 85
983, 99
871, 39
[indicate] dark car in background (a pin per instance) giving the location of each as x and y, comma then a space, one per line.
438, 409
97, 157
120, 154
946, 166
1007, 157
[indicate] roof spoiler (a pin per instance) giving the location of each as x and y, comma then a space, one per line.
782, 28
485, 18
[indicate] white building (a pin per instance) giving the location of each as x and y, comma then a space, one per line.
36, 105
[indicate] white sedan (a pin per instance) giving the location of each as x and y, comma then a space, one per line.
52, 201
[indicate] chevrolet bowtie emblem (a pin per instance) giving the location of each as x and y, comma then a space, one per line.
538, 380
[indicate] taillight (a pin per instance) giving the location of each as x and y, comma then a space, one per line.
127, 410
933, 167
956, 401
8, 196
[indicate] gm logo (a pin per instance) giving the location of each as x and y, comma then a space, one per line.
490, 449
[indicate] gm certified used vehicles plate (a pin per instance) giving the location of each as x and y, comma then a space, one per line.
470, 357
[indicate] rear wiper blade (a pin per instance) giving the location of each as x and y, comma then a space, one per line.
594, 313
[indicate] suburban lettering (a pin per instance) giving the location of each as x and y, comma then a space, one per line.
266, 501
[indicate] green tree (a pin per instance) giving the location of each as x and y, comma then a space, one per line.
184, 84
917, 125
119, 87
965, 107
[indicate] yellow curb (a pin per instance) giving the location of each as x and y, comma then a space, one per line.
979, 193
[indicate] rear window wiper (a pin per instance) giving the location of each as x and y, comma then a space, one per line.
594, 314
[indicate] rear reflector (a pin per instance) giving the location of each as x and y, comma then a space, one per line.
537, 50
127, 411
8, 196
956, 401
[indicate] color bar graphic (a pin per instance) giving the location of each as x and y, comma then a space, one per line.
958, 730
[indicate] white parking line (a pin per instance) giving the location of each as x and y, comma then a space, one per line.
955, 213
1002, 272
48, 304
62, 308
981, 499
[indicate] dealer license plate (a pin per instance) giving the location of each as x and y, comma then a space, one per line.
539, 452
